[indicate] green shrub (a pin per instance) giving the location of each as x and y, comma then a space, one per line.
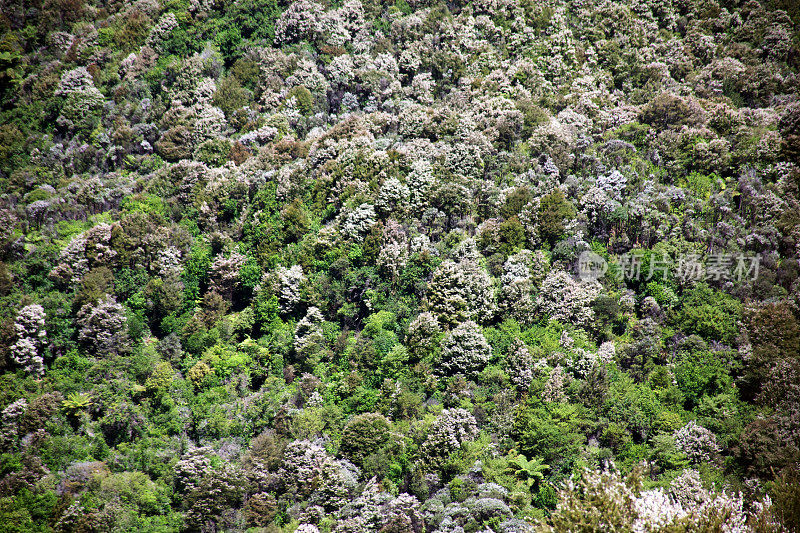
554, 211
666, 110
363, 435
175, 144
304, 99
710, 313
230, 95
214, 152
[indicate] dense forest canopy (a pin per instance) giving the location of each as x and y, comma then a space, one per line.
415, 266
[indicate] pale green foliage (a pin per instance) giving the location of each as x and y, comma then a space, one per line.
424, 334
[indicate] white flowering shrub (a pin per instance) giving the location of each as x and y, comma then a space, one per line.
290, 281
337, 485
461, 291
484, 509
698, 443
102, 327
393, 256
259, 137
413, 180
567, 300
687, 489
602, 498
516, 288
606, 352
422, 88
191, 468
82, 101
613, 184
208, 122
519, 366
555, 387
29, 329
168, 262
162, 29
598, 205
424, 335
308, 336
84, 251
584, 361
308, 471
465, 350
378, 510
10, 418
225, 272
393, 195
655, 511
207, 505
515, 525
302, 466
420, 181
299, 22
447, 433
359, 222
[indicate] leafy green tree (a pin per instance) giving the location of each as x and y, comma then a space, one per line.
552, 433
554, 211
230, 96
364, 435
703, 374
709, 313
255, 19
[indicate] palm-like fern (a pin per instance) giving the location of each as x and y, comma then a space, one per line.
529, 471
77, 401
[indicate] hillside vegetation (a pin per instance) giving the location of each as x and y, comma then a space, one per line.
349, 266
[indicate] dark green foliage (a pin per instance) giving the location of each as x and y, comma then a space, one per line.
701, 374
230, 96
364, 435
774, 331
12, 147
128, 33
785, 491
215, 152
175, 144
632, 410
229, 41
305, 102
504, 239
645, 350
666, 110
710, 313
533, 116
516, 201
295, 221
253, 19
554, 211
762, 449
